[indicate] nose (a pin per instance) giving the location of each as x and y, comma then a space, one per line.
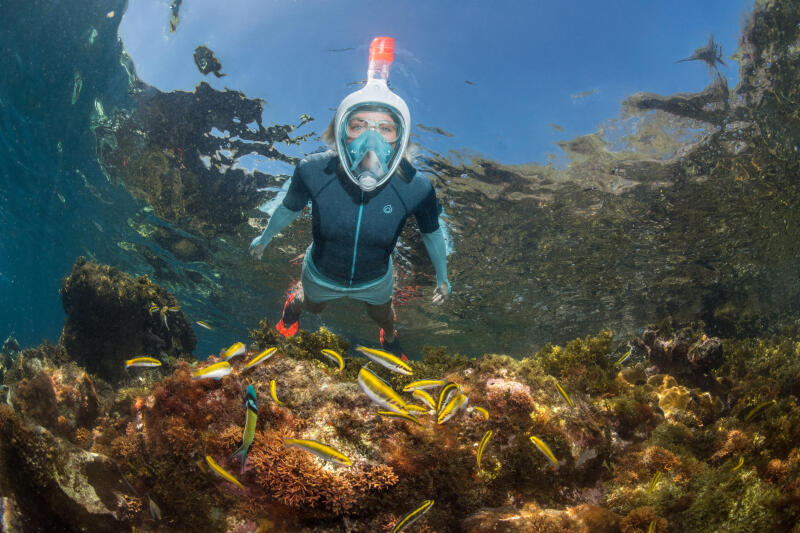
370, 160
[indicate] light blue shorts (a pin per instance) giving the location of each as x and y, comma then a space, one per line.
319, 289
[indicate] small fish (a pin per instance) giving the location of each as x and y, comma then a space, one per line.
423, 384
425, 398
755, 410
155, 512
446, 391
142, 362
453, 405
624, 357
654, 482
153, 308
384, 358
379, 391
738, 465
564, 394
413, 516
545, 449
323, 451
416, 408
273, 392
335, 357
250, 419
174, 308
395, 414
215, 371
237, 348
260, 358
222, 473
204, 324
482, 446
484, 413
652, 527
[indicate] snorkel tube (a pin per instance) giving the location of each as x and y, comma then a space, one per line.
375, 95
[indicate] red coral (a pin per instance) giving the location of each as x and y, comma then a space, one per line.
296, 479
736, 443
509, 397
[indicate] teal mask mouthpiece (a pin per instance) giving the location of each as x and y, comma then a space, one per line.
370, 154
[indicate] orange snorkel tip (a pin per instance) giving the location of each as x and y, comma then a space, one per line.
381, 49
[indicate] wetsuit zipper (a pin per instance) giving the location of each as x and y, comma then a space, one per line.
355, 242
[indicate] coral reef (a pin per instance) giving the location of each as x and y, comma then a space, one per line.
634, 445
112, 317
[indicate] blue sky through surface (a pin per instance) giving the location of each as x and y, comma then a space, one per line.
527, 60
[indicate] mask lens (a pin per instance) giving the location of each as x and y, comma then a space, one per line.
386, 128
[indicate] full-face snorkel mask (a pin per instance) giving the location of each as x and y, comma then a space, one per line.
372, 124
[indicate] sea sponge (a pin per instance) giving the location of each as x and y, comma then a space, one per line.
672, 400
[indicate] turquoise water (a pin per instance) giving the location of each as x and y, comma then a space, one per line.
621, 227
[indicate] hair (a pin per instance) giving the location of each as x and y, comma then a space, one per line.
329, 138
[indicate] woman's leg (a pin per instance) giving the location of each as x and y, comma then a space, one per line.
296, 304
301, 303
383, 315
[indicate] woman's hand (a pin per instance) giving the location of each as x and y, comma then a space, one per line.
441, 293
257, 246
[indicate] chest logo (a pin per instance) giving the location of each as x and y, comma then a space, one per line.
387, 209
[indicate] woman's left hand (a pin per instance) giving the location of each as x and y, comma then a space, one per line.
441, 293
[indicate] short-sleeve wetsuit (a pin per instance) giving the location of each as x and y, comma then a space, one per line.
355, 232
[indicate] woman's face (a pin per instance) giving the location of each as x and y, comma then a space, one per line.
377, 120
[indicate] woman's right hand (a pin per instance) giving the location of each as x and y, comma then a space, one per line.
257, 246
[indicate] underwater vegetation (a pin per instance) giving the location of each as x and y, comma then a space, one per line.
673, 427
686, 425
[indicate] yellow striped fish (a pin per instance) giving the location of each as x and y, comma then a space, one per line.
446, 391
425, 398
379, 391
384, 358
323, 451
142, 362
755, 410
654, 482
564, 394
484, 413
624, 357
738, 465
652, 527
395, 414
334, 356
423, 384
274, 393
413, 516
154, 308
215, 371
260, 358
482, 446
453, 406
222, 473
237, 348
204, 324
545, 449
416, 408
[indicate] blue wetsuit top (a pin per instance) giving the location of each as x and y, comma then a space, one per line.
355, 232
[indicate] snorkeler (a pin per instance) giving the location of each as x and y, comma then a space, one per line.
362, 190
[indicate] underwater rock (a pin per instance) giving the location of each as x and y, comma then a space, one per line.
112, 317
621, 465
10, 347
62, 399
686, 354
56, 485
206, 61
